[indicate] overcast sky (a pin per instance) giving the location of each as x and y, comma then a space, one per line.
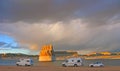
85, 25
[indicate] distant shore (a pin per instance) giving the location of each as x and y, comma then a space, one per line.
91, 57
104, 57
60, 56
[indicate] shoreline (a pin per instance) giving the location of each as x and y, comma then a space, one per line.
58, 68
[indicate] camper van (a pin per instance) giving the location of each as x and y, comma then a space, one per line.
73, 62
24, 62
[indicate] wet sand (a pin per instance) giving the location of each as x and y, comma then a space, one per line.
58, 68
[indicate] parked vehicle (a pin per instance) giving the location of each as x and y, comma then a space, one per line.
96, 64
24, 62
72, 62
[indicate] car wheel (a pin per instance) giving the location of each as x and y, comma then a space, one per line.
17, 64
26, 65
91, 66
75, 65
101, 65
64, 65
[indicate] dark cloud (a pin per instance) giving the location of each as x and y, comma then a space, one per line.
94, 12
73, 36
25, 22
102, 13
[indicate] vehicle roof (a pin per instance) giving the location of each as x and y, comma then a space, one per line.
74, 58
25, 59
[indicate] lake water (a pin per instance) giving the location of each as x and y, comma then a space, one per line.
106, 62
8, 62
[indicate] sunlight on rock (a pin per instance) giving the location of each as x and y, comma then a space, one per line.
47, 53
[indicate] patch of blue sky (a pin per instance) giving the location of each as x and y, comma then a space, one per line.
8, 40
10, 50
18, 50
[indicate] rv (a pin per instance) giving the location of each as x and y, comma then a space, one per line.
24, 62
73, 62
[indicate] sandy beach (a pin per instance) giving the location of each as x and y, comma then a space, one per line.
58, 68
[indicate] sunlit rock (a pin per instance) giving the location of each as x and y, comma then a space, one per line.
47, 53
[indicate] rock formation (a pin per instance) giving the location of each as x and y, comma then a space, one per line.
47, 53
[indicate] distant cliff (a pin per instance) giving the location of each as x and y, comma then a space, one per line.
64, 53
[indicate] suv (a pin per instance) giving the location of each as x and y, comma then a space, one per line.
96, 64
72, 62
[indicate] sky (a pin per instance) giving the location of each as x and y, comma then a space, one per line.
83, 25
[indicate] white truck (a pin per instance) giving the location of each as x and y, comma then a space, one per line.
73, 62
24, 62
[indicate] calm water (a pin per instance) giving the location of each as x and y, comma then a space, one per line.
106, 62
8, 62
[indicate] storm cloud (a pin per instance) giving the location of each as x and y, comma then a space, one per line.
72, 36
96, 12
69, 25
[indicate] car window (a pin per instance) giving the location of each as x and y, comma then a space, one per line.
66, 61
28, 61
78, 60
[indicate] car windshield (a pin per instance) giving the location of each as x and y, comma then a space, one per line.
66, 61
18, 61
